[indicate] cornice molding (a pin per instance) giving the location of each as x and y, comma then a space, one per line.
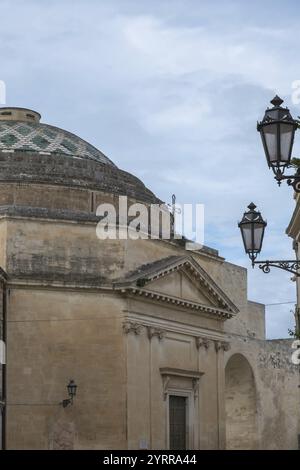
220, 314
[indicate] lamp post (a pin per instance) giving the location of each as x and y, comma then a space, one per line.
252, 228
277, 130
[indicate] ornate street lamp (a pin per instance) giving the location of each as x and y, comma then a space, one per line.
72, 388
277, 130
252, 228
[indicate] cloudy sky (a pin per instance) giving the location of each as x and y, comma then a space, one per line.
171, 91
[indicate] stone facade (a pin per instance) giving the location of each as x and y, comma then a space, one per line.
133, 322
293, 230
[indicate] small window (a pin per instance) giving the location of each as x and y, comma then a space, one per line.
31, 116
6, 113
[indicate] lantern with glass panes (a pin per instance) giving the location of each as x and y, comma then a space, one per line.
252, 228
277, 130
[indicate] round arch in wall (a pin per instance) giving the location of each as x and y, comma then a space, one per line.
240, 404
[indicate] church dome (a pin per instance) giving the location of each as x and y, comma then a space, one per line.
37, 153
20, 129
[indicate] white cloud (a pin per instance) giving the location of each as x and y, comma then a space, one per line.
180, 50
176, 117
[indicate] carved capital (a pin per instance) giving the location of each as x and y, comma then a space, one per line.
158, 332
202, 342
222, 345
226, 346
132, 327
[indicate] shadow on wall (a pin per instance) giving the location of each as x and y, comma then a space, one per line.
240, 404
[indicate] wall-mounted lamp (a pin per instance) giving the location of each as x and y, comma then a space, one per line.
277, 130
72, 388
252, 228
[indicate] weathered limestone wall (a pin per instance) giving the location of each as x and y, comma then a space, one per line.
3, 240
59, 249
276, 386
281, 395
233, 281
44, 246
55, 336
56, 198
33, 168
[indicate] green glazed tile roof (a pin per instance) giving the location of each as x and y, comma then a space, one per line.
36, 137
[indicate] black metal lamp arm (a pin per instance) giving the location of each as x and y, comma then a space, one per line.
66, 402
292, 266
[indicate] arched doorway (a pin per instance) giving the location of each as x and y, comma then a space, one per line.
240, 404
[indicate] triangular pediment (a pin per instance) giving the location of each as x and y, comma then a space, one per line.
179, 284
181, 281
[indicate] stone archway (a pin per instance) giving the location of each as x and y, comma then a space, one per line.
240, 404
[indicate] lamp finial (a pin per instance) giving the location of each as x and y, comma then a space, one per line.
276, 101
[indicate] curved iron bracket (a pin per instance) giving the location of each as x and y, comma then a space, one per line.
292, 266
292, 180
